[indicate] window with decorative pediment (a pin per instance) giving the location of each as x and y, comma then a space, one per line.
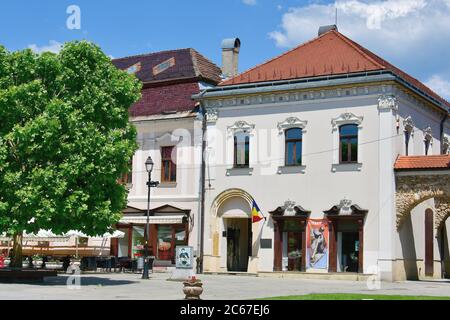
346, 129
241, 132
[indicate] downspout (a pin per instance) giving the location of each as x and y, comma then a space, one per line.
202, 189
444, 119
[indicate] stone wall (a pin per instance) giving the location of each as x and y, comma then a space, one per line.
414, 189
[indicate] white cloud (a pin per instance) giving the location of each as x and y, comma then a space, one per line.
412, 34
380, 11
249, 2
53, 46
439, 85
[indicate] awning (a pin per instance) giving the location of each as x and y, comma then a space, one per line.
153, 220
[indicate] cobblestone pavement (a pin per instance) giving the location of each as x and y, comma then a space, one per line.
221, 287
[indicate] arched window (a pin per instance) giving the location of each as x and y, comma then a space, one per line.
293, 147
348, 143
241, 149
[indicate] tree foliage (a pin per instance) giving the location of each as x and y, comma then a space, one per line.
65, 139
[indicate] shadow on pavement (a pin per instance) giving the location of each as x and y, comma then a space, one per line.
85, 281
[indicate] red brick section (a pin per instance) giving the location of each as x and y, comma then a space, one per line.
422, 162
329, 54
157, 100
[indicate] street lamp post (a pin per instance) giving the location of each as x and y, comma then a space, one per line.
149, 167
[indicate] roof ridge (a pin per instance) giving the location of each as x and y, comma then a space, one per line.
358, 48
388, 65
192, 52
150, 54
276, 57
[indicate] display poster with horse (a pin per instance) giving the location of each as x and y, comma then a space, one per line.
317, 245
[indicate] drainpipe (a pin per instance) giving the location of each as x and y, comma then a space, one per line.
202, 189
444, 119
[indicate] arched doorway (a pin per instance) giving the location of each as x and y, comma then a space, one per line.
231, 221
422, 201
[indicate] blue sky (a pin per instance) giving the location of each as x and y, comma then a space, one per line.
412, 34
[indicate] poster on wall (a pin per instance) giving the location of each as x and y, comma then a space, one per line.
317, 244
184, 257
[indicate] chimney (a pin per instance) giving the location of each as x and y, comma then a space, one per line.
325, 29
230, 57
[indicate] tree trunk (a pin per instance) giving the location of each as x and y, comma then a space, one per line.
16, 259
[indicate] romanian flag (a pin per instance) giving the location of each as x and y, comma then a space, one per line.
256, 213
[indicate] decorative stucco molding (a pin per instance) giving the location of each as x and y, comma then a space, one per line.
345, 208
428, 134
212, 115
446, 145
291, 122
346, 118
168, 139
408, 124
241, 125
387, 102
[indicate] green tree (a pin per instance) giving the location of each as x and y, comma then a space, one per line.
65, 141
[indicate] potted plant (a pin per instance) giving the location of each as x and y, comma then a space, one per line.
193, 288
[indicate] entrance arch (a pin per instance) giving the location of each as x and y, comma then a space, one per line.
231, 229
414, 189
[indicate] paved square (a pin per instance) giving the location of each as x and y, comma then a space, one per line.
220, 287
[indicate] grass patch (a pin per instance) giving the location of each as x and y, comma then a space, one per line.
351, 296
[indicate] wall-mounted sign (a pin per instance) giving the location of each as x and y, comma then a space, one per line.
317, 244
184, 258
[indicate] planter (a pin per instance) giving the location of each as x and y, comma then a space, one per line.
192, 290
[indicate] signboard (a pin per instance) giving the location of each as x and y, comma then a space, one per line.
317, 244
184, 258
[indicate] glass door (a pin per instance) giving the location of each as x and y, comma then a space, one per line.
292, 244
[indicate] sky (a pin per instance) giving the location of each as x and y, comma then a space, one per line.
414, 35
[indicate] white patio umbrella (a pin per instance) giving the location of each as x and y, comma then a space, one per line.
76, 234
115, 234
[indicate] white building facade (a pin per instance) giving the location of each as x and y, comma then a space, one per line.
316, 153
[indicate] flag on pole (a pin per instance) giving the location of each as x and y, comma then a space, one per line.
256, 213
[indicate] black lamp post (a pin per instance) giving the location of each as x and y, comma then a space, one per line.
149, 167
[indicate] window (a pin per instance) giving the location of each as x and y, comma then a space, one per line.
241, 150
168, 167
293, 147
348, 143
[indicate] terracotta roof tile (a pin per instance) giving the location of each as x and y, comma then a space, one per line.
188, 63
329, 54
422, 162
177, 78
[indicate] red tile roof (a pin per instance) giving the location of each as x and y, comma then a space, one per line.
188, 64
331, 53
170, 79
422, 162
160, 99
